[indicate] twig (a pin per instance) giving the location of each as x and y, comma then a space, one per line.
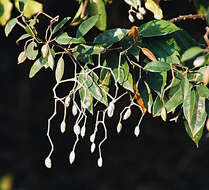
206, 35
190, 16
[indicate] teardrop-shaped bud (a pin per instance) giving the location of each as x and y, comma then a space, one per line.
100, 162
92, 138
137, 131
119, 127
76, 129
44, 50
51, 61
22, 56
163, 114
67, 101
127, 114
72, 157
48, 162
142, 10
131, 18
63, 127
110, 109
93, 146
199, 61
74, 110
139, 16
83, 131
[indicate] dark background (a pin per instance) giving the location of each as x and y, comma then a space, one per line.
162, 157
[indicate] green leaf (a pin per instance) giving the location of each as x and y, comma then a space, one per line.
104, 79
10, 25
5, 11
195, 138
35, 68
60, 69
110, 37
203, 91
64, 39
86, 99
157, 107
191, 53
24, 36
97, 7
60, 24
31, 52
132, 3
86, 26
89, 80
30, 31
89, 50
157, 28
157, 66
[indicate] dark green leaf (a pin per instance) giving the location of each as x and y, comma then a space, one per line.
21, 5
60, 24
31, 52
86, 26
30, 31
60, 69
157, 107
203, 91
191, 53
157, 66
10, 25
35, 68
157, 28
110, 37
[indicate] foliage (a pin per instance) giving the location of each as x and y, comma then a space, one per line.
159, 66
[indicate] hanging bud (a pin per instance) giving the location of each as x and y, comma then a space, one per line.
110, 109
163, 114
44, 50
51, 61
22, 56
100, 162
67, 101
92, 138
48, 162
76, 129
127, 114
63, 127
72, 157
93, 146
137, 131
142, 10
199, 61
119, 127
83, 131
131, 18
205, 77
74, 110
139, 16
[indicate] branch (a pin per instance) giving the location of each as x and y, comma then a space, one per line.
206, 36
190, 16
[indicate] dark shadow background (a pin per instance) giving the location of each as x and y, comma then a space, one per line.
163, 157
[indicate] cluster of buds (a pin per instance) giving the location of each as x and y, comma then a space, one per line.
139, 12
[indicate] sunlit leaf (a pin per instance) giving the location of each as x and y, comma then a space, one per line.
31, 52
153, 6
60, 69
10, 25
203, 91
191, 53
5, 11
157, 66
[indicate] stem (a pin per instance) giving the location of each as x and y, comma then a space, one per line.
190, 16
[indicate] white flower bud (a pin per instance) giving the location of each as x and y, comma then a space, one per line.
67, 101
163, 114
127, 114
110, 109
131, 18
92, 138
63, 127
74, 110
72, 157
93, 146
44, 50
83, 131
22, 56
137, 131
100, 162
119, 127
199, 61
76, 129
139, 16
142, 10
51, 61
48, 162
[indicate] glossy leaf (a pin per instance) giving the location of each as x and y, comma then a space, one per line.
157, 28
60, 24
86, 26
35, 68
203, 91
153, 6
60, 69
110, 37
31, 52
191, 53
5, 8
157, 66
10, 25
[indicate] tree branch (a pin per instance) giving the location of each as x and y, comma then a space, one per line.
190, 16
